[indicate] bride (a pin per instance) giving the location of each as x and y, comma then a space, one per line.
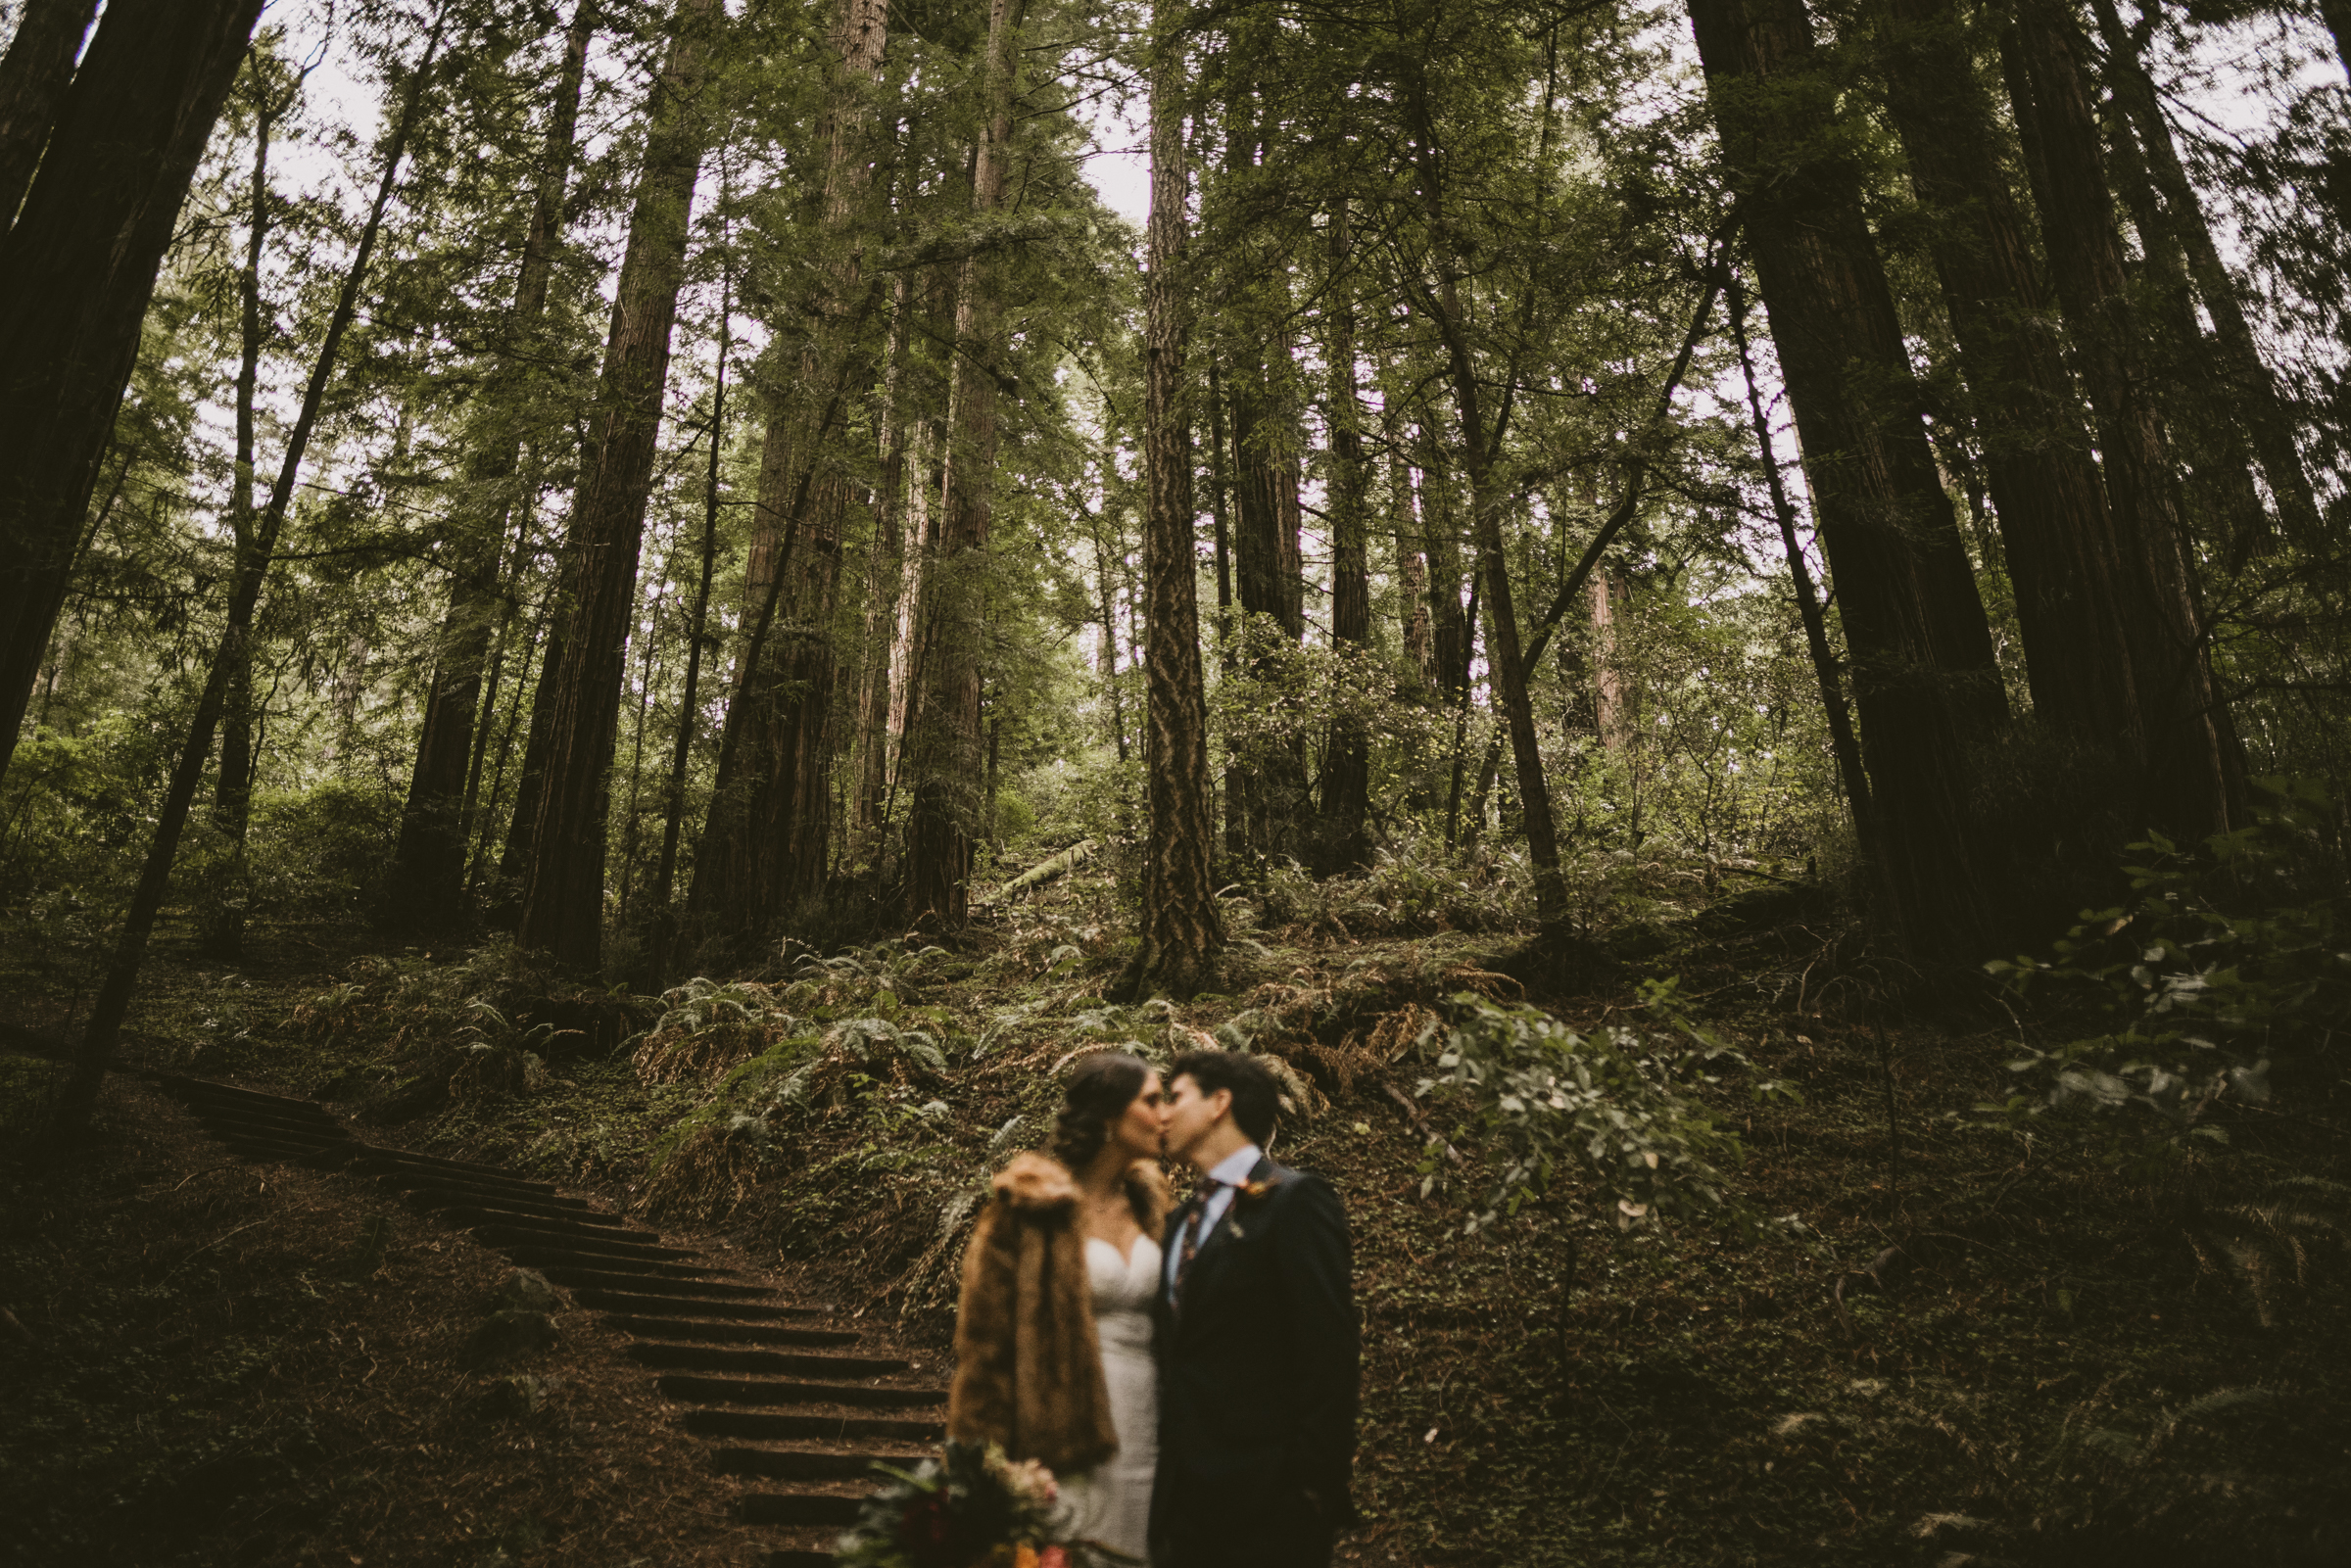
1053, 1332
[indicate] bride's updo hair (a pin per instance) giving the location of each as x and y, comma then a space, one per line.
1098, 1093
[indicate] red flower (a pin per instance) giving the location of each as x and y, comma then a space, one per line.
927, 1525
1052, 1557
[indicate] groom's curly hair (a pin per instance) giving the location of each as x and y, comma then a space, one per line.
1097, 1094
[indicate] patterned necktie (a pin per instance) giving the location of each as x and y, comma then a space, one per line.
1195, 1211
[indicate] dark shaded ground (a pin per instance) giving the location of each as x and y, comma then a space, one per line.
2070, 1362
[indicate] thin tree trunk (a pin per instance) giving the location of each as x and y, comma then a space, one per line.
1481, 445
1181, 928
564, 897
429, 870
1347, 768
232, 790
1924, 693
34, 77
76, 270
2188, 768
1842, 740
888, 580
946, 747
105, 1029
680, 753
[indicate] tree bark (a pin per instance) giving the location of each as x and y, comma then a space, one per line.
947, 767
2043, 482
76, 270
888, 584
1347, 751
2189, 767
232, 788
563, 895
767, 838
673, 803
34, 77
1842, 743
2249, 391
103, 1031
1181, 928
1925, 688
428, 880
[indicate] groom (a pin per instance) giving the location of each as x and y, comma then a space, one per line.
1257, 1338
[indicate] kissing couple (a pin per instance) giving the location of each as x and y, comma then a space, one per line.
1187, 1372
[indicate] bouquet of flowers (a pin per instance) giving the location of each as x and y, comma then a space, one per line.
970, 1507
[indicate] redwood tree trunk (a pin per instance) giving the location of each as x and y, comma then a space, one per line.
2189, 766
563, 895
767, 838
948, 765
76, 270
429, 873
34, 77
1347, 751
2038, 467
1181, 932
1924, 692
2251, 392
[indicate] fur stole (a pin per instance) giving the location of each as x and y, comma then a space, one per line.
1028, 1364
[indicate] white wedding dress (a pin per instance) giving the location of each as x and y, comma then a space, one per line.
1112, 1502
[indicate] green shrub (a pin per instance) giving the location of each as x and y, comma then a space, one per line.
2224, 968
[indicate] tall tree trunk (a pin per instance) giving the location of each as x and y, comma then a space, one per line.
1412, 573
1347, 765
428, 879
1441, 537
2251, 390
768, 835
33, 78
2189, 766
563, 895
680, 753
105, 1029
1181, 932
2044, 484
1482, 437
232, 790
1924, 691
1842, 743
887, 582
76, 270
944, 818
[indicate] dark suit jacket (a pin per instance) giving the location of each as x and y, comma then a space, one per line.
1258, 1364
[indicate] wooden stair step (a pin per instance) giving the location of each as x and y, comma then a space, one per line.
587, 1245
736, 1359
780, 1425
686, 1389
679, 1329
708, 1290
545, 1256
603, 1300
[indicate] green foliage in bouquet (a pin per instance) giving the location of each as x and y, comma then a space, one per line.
970, 1507
2229, 962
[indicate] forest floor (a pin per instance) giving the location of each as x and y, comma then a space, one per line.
2071, 1361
